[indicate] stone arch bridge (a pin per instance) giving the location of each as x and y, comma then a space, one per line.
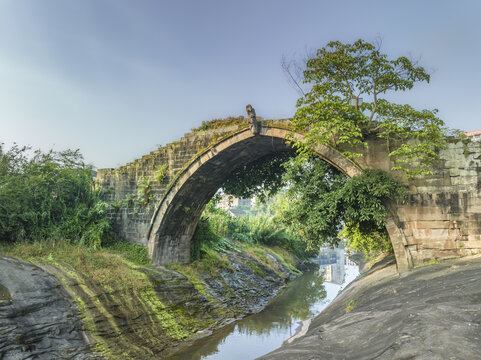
157, 200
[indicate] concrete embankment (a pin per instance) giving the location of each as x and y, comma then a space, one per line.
430, 312
55, 311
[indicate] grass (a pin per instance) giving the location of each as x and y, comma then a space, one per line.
255, 268
111, 268
285, 258
211, 262
264, 254
132, 252
122, 275
260, 255
350, 306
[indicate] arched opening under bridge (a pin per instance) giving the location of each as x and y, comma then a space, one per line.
177, 214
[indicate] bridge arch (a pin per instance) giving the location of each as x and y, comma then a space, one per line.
177, 214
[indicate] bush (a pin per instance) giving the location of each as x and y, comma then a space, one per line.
322, 201
216, 226
372, 243
50, 196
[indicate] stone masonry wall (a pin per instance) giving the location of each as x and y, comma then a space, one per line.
136, 188
441, 217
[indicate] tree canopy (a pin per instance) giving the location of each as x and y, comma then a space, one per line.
322, 201
347, 101
349, 85
260, 178
319, 203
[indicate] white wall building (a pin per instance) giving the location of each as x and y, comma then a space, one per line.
228, 202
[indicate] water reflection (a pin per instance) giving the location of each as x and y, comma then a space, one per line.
261, 333
332, 262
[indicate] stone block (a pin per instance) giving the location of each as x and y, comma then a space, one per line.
473, 243
431, 224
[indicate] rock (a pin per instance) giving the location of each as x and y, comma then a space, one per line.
37, 318
430, 312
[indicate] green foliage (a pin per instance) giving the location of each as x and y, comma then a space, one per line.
204, 237
255, 268
49, 196
216, 226
345, 104
370, 242
362, 198
135, 253
161, 173
312, 207
211, 262
318, 203
144, 192
262, 177
190, 273
329, 123
322, 200
350, 306
110, 268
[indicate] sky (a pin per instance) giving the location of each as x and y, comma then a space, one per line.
118, 78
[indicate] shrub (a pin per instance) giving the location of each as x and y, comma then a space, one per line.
216, 226
50, 196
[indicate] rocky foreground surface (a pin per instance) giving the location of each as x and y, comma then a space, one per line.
57, 312
431, 312
37, 318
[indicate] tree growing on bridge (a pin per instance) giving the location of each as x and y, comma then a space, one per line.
320, 201
347, 101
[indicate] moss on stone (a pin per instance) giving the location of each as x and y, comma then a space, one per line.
190, 274
255, 268
290, 263
172, 325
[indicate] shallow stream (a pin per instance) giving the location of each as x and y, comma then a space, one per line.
260, 333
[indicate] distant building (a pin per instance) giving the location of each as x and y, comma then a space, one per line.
244, 202
234, 205
225, 202
474, 135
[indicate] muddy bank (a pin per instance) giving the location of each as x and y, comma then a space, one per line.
70, 315
431, 312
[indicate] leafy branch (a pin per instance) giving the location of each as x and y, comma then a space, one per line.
346, 101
